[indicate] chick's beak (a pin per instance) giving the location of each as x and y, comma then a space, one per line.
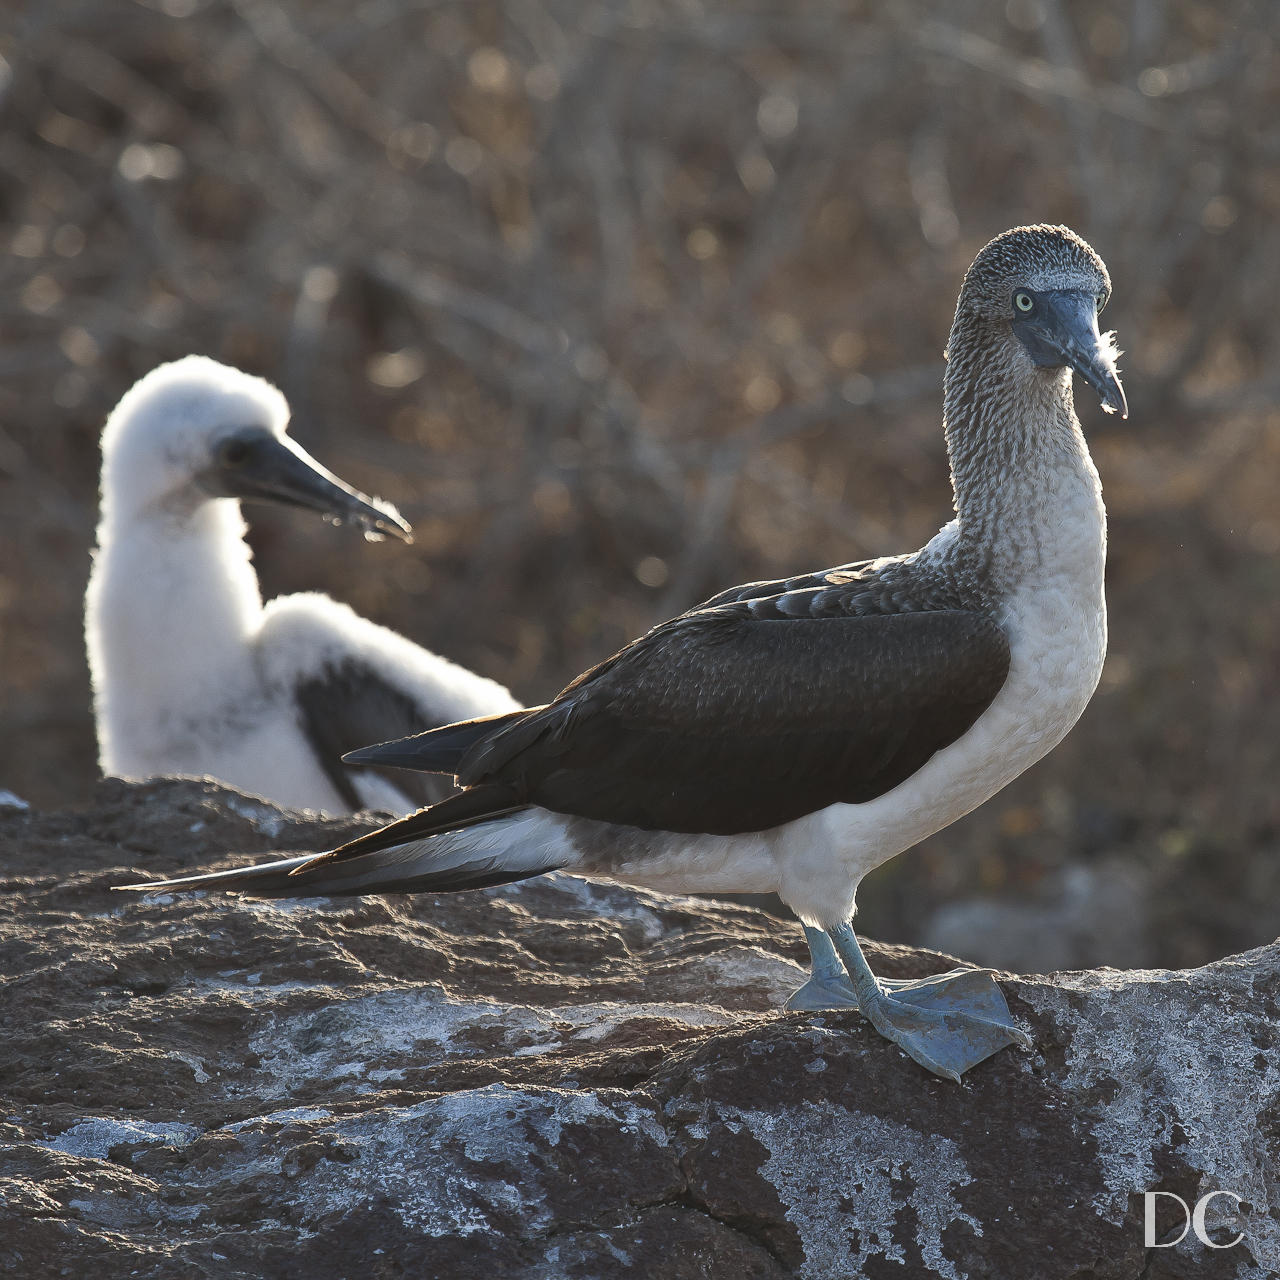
270, 468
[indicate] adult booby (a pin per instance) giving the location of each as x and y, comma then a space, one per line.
790, 736
191, 674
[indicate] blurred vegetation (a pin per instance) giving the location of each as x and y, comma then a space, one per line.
623, 301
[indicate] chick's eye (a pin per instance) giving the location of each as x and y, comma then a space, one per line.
234, 453
1023, 301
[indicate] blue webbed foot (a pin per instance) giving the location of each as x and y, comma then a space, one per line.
832, 992
947, 1022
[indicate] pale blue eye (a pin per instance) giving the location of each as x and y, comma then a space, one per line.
1023, 301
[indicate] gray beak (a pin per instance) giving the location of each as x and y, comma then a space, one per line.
1063, 330
261, 466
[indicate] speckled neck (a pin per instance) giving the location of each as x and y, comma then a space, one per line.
1027, 494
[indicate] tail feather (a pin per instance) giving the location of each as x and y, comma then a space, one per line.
437, 750
264, 877
454, 813
464, 859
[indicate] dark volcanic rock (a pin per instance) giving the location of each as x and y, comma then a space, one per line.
564, 1079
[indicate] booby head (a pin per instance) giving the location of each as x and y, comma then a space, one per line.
1039, 290
195, 430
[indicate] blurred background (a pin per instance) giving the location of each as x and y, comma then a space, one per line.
623, 301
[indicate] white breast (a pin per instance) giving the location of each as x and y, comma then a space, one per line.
1055, 617
1057, 655
1058, 642
1056, 621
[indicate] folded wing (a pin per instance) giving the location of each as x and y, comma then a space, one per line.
720, 722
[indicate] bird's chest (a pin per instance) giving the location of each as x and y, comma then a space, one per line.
1057, 628
1056, 621
1058, 643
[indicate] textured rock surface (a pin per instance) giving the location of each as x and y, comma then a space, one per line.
561, 1079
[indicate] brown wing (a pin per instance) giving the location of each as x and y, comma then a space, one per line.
720, 723
349, 704
774, 588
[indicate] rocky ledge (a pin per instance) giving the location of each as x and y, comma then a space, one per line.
565, 1079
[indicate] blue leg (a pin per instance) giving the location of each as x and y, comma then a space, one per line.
948, 1022
828, 986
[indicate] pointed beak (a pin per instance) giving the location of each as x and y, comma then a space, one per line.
262, 467
1064, 331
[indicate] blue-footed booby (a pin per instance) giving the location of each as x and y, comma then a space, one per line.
191, 674
787, 737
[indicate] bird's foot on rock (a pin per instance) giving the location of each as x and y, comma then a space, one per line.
947, 1022
824, 991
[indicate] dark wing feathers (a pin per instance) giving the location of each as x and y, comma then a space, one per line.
349, 705
437, 750
843, 574
771, 701
724, 726
864, 588
723, 721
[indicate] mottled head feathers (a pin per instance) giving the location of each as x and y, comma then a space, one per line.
1040, 257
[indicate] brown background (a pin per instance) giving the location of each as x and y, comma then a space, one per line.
623, 302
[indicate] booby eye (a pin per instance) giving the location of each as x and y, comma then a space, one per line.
234, 452
1023, 301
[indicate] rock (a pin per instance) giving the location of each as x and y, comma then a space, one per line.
564, 1079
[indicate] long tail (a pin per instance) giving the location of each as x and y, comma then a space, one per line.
470, 858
